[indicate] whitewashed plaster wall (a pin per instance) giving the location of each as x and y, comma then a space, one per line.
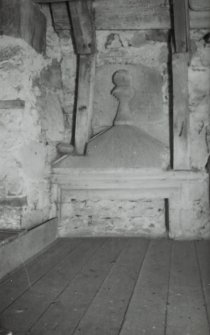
29, 135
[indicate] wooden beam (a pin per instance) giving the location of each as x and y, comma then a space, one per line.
84, 102
181, 25
199, 20
51, 1
129, 17
181, 159
60, 16
132, 14
199, 5
83, 28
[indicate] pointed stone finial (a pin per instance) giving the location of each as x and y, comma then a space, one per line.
123, 92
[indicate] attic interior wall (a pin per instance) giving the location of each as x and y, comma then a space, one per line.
29, 135
47, 85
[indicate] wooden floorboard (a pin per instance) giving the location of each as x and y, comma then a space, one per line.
27, 274
203, 255
24, 312
110, 286
186, 307
107, 310
147, 311
64, 315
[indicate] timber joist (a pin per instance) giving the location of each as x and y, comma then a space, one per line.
132, 14
180, 62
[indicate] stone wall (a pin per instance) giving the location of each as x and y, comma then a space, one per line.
141, 217
34, 117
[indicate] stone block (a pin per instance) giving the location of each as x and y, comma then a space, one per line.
23, 19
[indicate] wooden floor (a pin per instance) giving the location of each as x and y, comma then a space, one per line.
110, 286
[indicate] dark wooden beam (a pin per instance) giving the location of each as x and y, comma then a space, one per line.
131, 15
181, 25
83, 27
199, 5
199, 20
180, 60
86, 75
60, 16
50, 1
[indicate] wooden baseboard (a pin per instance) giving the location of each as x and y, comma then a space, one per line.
17, 251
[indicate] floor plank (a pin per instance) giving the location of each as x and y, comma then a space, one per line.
203, 254
65, 313
106, 286
147, 311
107, 311
25, 276
186, 311
22, 314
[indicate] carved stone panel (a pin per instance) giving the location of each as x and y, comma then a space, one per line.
145, 102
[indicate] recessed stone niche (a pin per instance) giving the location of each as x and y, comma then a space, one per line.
129, 139
146, 64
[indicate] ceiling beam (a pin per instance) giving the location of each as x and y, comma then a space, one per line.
83, 27
55, 1
181, 25
126, 15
